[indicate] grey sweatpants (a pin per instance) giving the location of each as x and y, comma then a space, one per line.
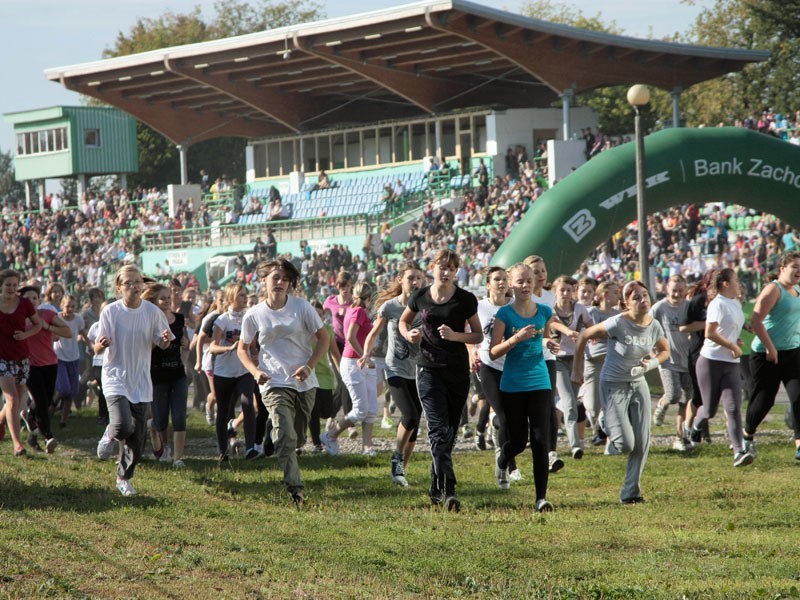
721, 380
127, 423
627, 410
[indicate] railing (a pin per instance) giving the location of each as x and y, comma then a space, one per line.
285, 230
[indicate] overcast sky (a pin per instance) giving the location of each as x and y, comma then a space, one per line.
42, 34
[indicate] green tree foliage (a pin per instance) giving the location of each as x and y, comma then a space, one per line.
773, 84
159, 162
10, 188
782, 15
614, 113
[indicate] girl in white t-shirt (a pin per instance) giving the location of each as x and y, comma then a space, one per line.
69, 355
718, 370
129, 328
232, 382
291, 339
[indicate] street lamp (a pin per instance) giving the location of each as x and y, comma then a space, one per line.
639, 95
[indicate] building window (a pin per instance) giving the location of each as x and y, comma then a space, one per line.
42, 141
91, 138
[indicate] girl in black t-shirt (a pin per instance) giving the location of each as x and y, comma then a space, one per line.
443, 364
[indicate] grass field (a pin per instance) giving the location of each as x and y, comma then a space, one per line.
707, 530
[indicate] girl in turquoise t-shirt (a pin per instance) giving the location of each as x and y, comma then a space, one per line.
525, 384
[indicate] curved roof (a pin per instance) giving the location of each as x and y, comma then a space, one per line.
416, 59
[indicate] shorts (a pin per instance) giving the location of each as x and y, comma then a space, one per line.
18, 369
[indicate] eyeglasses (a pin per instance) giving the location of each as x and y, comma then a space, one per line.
132, 284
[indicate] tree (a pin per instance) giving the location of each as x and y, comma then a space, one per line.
158, 157
772, 84
10, 188
614, 114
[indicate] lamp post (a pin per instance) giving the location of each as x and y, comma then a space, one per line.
639, 95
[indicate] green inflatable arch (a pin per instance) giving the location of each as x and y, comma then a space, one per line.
726, 164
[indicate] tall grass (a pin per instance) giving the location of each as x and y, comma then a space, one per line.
707, 530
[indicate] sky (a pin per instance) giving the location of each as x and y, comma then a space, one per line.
42, 34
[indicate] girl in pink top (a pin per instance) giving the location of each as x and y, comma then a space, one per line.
14, 353
359, 374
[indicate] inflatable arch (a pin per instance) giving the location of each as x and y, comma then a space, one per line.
726, 164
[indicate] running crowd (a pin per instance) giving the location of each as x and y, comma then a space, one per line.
538, 357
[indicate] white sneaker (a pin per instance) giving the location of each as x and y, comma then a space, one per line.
750, 448
387, 423
105, 445
515, 475
556, 464
543, 505
658, 415
50, 445
179, 464
331, 444
368, 451
125, 487
679, 445
210, 417
166, 455
611, 449
501, 476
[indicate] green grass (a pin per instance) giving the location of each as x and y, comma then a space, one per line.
707, 530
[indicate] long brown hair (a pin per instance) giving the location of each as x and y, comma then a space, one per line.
394, 289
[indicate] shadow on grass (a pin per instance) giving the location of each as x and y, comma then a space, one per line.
17, 495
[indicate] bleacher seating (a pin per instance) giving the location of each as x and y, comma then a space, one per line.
350, 196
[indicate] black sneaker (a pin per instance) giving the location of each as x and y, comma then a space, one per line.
696, 435
251, 454
298, 499
706, 430
634, 500
480, 442
452, 504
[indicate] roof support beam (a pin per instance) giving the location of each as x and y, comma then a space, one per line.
425, 92
287, 108
181, 127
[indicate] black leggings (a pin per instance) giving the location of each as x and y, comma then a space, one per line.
551, 371
42, 386
528, 414
323, 409
406, 398
767, 378
228, 390
490, 381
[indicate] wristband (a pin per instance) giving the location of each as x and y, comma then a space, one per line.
310, 370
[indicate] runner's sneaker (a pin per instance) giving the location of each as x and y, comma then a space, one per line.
466, 432
501, 476
369, 451
611, 449
50, 445
658, 414
231, 429
742, 459
179, 464
104, 446
696, 435
556, 464
331, 444
480, 441
750, 448
452, 504
680, 445
166, 455
543, 505
210, 418
398, 470
125, 487
515, 475
577, 453
251, 454
387, 423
